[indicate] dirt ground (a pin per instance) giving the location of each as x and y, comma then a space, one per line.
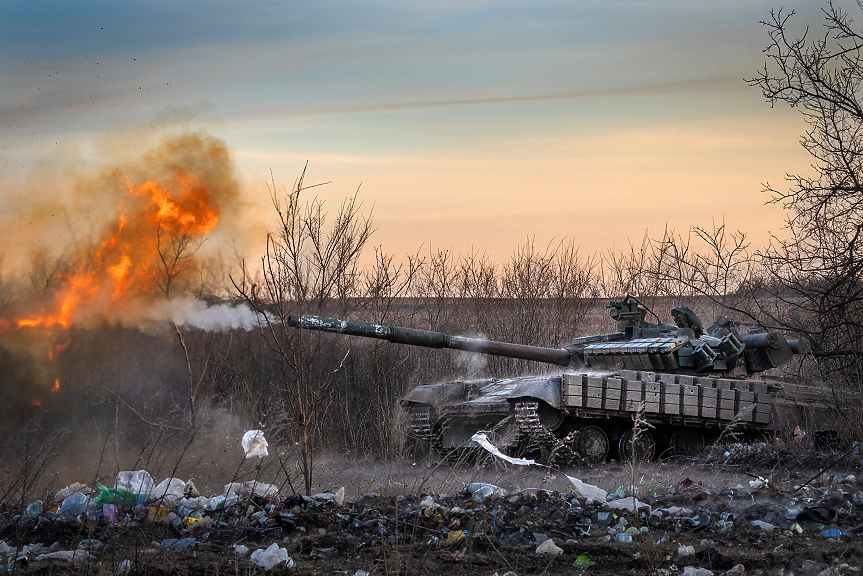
404, 517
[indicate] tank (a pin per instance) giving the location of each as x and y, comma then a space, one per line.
649, 389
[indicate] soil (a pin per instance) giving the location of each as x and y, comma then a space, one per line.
383, 527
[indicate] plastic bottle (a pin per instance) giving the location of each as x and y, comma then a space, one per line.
73, 505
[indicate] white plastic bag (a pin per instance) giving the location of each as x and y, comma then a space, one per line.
138, 482
696, 571
630, 504
169, 490
588, 491
65, 492
74, 556
254, 444
262, 490
483, 441
550, 548
241, 549
273, 555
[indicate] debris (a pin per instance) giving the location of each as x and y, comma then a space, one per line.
693, 571
550, 548
169, 490
254, 444
273, 555
139, 483
338, 498
261, 490
63, 493
124, 568
758, 483
90, 544
685, 551
588, 491
109, 511
479, 559
34, 509
583, 562
180, 544
820, 514
799, 434
73, 505
482, 440
629, 504
481, 491
158, 514
454, 537
74, 556
191, 489
766, 526
240, 549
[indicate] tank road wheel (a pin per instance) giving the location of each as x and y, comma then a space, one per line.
592, 444
687, 442
641, 450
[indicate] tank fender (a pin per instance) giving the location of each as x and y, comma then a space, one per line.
546, 389
425, 394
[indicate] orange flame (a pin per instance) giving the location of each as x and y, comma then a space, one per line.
55, 350
158, 229
57, 385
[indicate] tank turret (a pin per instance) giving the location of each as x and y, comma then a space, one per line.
682, 348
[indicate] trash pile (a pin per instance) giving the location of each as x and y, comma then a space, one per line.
138, 525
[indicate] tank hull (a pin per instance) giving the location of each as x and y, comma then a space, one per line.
589, 416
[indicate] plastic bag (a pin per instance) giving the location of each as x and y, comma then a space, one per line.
549, 547
254, 444
273, 555
74, 556
181, 544
137, 482
71, 488
588, 491
113, 496
34, 509
583, 562
169, 490
629, 503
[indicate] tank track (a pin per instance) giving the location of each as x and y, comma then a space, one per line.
535, 436
420, 423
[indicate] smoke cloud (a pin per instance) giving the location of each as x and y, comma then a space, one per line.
198, 314
126, 240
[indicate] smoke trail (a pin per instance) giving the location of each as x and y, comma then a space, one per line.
218, 318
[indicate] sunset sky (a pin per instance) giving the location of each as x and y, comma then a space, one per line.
465, 125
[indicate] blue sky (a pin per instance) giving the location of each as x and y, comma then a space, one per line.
466, 125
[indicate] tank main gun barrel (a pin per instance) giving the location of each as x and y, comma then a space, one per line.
429, 339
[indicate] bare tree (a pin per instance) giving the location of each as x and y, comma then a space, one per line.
814, 276
310, 266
